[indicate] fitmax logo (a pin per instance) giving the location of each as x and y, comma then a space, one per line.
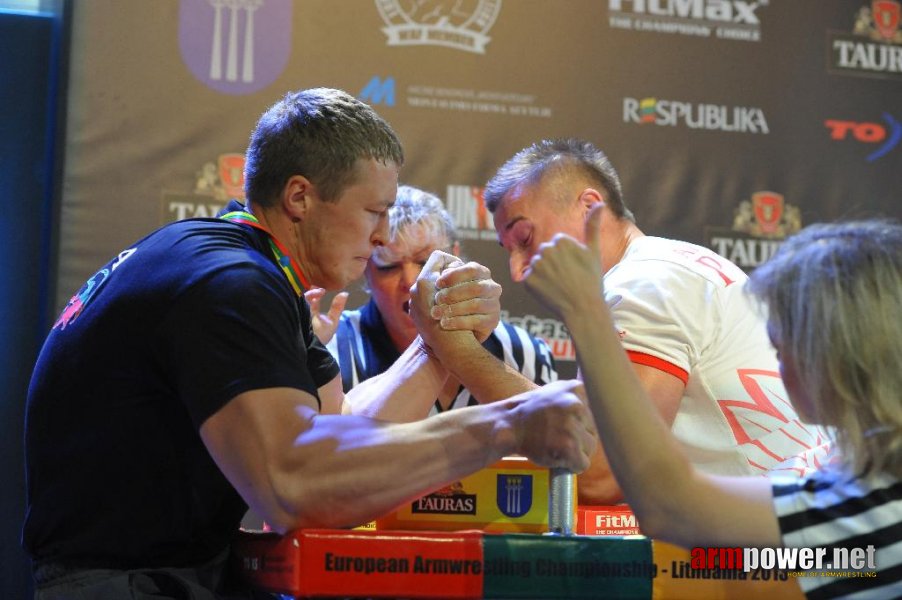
868, 133
379, 91
727, 11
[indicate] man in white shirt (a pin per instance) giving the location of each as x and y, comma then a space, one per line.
699, 347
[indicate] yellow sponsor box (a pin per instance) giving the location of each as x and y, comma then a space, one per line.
509, 496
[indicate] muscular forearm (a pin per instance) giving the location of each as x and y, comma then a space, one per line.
643, 455
596, 485
484, 375
298, 468
405, 392
379, 466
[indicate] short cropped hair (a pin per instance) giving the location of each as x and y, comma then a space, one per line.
834, 297
558, 157
320, 134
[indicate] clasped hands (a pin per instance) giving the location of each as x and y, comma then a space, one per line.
448, 296
453, 302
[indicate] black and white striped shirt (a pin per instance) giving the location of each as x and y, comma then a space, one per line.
363, 349
831, 510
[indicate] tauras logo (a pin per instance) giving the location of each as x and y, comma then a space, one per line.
215, 184
451, 500
728, 11
759, 227
875, 46
713, 117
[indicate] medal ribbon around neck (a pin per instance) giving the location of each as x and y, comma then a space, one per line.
286, 263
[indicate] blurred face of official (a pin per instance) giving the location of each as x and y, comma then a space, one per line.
392, 270
531, 215
337, 238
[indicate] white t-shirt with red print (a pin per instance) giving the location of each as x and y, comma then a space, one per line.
682, 309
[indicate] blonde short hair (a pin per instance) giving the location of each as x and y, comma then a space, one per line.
834, 296
417, 217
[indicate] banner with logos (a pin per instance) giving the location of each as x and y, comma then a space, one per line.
732, 123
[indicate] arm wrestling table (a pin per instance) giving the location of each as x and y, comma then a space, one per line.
506, 532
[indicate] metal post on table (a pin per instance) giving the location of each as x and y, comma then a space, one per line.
560, 502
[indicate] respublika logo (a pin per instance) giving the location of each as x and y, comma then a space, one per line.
875, 46
215, 184
724, 19
885, 137
759, 227
457, 24
223, 45
711, 117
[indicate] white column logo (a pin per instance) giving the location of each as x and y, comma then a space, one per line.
247, 60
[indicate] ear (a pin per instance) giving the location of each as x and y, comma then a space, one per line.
589, 197
297, 196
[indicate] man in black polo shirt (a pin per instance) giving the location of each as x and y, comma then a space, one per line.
183, 382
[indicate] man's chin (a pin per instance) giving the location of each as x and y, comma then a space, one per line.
348, 276
337, 283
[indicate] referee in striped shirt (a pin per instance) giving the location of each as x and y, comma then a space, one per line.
367, 341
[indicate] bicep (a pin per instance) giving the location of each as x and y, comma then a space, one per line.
664, 389
332, 397
249, 439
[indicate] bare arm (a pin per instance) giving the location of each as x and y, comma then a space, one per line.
405, 392
671, 499
597, 485
455, 309
408, 389
297, 468
331, 397
469, 308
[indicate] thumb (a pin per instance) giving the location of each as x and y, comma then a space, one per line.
437, 262
593, 228
338, 305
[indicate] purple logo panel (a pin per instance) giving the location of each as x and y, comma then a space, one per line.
235, 46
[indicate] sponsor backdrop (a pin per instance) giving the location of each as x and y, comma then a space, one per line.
732, 123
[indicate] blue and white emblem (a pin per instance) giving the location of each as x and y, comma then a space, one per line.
514, 497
